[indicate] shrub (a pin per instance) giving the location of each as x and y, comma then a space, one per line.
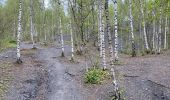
13, 41
95, 76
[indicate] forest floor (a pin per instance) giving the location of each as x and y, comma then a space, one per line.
45, 75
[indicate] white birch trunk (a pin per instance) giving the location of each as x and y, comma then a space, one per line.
154, 33
165, 35
109, 31
132, 34
116, 30
72, 43
62, 40
144, 27
100, 26
101, 9
160, 31
116, 89
31, 24
19, 32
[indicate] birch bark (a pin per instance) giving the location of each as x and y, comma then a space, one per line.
116, 30
132, 34
19, 33
31, 24
144, 27
108, 30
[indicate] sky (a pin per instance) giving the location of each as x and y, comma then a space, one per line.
64, 3
46, 3
2, 1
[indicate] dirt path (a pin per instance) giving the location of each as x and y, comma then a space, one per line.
44, 75
62, 86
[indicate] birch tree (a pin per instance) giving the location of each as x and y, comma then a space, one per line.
31, 24
165, 34
144, 27
72, 43
154, 33
102, 35
131, 26
108, 30
62, 40
100, 26
160, 31
116, 30
19, 33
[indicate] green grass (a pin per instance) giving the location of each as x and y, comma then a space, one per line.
95, 76
7, 43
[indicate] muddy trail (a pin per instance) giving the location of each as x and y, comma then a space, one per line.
45, 75
62, 85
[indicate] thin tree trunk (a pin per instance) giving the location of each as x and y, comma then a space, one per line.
132, 34
108, 30
44, 20
31, 24
72, 43
154, 32
159, 34
116, 89
100, 26
62, 40
144, 28
101, 8
165, 35
19, 33
116, 30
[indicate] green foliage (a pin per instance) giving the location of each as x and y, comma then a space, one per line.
7, 43
95, 76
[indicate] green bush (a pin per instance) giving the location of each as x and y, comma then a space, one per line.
7, 43
13, 41
95, 76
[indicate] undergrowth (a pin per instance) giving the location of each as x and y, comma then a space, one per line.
95, 76
7, 43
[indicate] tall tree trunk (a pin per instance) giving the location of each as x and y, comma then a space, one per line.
31, 24
72, 43
116, 30
101, 8
132, 34
116, 89
100, 26
19, 33
62, 40
154, 32
44, 21
165, 35
144, 28
159, 34
108, 30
